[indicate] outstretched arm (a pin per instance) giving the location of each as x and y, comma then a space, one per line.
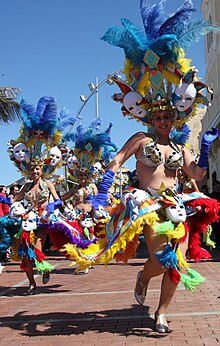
131, 147
69, 193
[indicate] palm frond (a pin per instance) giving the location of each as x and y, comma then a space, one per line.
9, 109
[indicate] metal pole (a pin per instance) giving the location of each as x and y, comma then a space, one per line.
93, 91
97, 97
120, 174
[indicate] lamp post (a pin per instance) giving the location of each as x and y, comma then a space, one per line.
95, 89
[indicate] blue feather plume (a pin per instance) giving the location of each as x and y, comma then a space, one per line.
26, 113
47, 113
95, 125
121, 37
44, 117
152, 17
97, 139
182, 15
31, 254
22, 251
164, 47
192, 32
167, 257
67, 118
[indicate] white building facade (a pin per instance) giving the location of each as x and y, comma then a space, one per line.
211, 12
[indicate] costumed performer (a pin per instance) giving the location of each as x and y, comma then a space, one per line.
161, 91
37, 153
86, 162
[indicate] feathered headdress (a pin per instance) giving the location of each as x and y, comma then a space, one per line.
40, 142
155, 62
92, 150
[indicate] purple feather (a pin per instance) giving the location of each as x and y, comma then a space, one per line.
65, 235
182, 15
152, 17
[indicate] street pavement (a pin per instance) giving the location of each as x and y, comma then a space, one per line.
99, 308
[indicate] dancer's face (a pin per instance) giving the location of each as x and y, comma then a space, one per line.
162, 121
36, 172
83, 176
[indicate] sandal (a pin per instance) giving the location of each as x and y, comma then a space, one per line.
140, 298
161, 327
31, 290
46, 278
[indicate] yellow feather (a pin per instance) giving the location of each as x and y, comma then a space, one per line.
14, 248
136, 227
181, 262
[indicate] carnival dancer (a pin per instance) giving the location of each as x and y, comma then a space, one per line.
86, 163
161, 91
41, 131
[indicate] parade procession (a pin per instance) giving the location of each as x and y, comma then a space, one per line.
131, 227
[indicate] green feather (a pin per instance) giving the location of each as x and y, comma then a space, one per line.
207, 238
192, 280
43, 267
163, 227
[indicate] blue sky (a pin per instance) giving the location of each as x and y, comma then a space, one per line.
53, 48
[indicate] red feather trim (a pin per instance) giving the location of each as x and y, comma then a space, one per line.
207, 210
25, 236
195, 251
40, 256
174, 275
23, 266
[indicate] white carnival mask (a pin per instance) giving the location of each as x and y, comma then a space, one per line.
20, 152
184, 96
70, 213
17, 209
100, 213
97, 168
55, 155
86, 222
136, 195
30, 223
71, 162
176, 213
131, 102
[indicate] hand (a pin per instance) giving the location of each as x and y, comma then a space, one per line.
102, 197
54, 205
210, 135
